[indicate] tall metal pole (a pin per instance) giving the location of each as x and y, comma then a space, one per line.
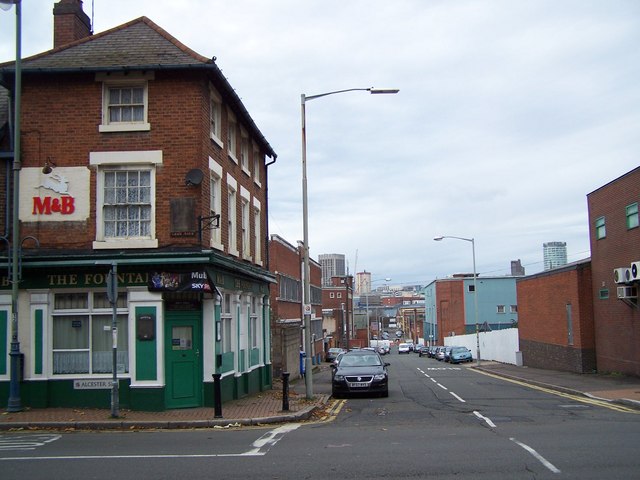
112, 295
14, 404
308, 378
475, 300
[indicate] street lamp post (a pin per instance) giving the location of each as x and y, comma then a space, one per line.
475, 289
14, 403
305, 227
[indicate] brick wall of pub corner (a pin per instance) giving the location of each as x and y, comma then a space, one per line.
543, 320
617, 324
66, 130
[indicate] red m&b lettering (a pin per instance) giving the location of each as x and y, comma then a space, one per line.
45, 206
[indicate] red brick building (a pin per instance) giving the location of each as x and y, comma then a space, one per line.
286, 263
615, 244
337, 312
556, 327
138, 158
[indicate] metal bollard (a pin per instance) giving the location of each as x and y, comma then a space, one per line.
285, 391
217, 396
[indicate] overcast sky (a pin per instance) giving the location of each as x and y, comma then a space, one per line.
509, 114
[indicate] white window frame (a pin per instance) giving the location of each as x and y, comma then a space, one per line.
257, 231
501, 309
131, 160
232, 212
226, 323
232, 136
132, 80
215, 116
245, 203
253, 323
257, 163
89, 314
244, 151
215, 201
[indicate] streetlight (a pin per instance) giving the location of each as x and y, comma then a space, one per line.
367, 298
475, 289
308, 380
14, 404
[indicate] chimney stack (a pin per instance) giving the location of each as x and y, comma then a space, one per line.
70, 23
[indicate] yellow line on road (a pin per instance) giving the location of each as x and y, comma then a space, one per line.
577, 398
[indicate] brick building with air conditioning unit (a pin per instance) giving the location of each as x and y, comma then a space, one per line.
614, 230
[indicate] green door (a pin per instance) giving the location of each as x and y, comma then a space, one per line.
183, 365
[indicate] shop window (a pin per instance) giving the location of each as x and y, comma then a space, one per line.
82, 334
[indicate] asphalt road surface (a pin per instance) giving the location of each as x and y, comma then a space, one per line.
440, 421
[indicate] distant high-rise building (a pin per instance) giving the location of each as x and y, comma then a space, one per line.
363, 283
517, 270
555, 254
333, 265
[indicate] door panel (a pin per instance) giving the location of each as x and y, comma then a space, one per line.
183, 359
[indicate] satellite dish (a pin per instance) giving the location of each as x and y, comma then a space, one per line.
194, 177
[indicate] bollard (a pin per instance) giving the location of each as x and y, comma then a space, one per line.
285, 391
217, 396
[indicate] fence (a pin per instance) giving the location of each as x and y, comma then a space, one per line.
499, 345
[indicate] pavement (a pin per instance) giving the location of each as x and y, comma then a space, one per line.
267, 407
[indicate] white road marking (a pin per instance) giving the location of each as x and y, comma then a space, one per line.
463, 401
482, 417
260, 448
25, 442
442, 386
536, 455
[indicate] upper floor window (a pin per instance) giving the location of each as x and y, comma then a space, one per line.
514, 309
501, 309
244, 151
125, 199
215, 200
601, 230
215, 117
124, 102
244, 225
232, 192
257, 163
632, 215
232, 138
257, 231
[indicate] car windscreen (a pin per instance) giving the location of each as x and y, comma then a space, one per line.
360, 361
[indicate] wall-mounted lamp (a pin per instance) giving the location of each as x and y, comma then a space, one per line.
49, 165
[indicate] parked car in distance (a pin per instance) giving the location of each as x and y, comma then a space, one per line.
439, 353
332, 353
460, 354
447, 349
422, 350
432, 351
404, 348
358, 372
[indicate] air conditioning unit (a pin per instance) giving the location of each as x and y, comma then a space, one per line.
622, 275
635, 270
627, 292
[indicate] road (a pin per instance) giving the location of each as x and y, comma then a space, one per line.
440, 421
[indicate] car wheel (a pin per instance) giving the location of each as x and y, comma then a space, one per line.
335, 394
385, 394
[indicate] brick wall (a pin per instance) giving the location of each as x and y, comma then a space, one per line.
543, 319
450, 308
617, 324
